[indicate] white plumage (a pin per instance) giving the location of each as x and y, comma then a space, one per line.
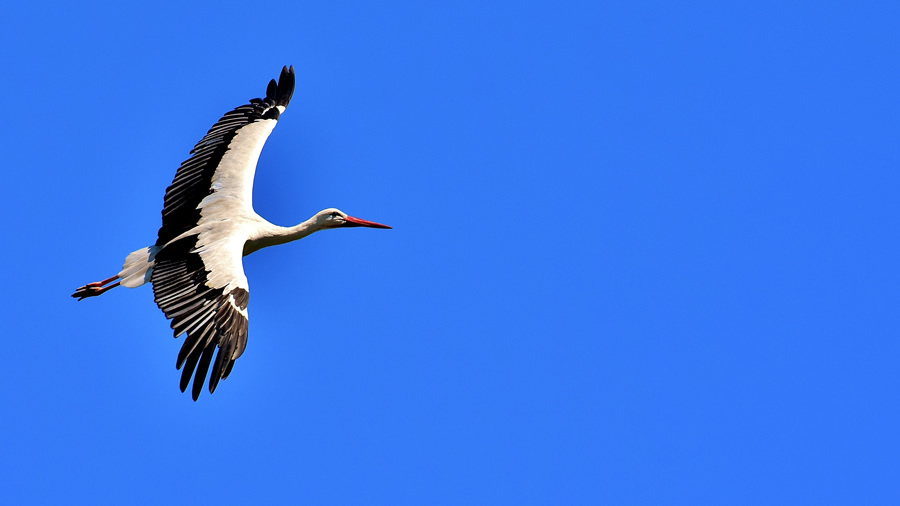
209, 224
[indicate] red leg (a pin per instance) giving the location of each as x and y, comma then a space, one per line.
94, 289
105, 288
105, 281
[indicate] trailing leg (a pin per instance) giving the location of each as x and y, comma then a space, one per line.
96, 288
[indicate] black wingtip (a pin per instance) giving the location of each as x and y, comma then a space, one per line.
188, 370
280, 92
272, 90
286, 82
222, 357
202, 369
228, 369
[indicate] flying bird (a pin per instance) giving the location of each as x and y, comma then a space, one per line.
208, 226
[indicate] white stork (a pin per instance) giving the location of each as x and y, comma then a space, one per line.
208, 225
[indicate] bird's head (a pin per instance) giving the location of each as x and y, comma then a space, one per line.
335, 218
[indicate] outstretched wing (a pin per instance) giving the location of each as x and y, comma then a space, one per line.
200, 285
198, 277
220, 171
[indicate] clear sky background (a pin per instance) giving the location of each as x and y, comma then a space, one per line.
643, 253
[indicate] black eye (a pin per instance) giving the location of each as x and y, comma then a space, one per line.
335, 214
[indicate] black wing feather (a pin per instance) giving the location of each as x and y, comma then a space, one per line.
202, 368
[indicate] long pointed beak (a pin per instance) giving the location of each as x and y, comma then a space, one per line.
357, 222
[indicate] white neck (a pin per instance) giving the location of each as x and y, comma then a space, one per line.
268, 234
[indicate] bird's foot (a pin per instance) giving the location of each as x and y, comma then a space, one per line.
94, 289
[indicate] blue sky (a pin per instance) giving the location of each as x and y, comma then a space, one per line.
643, 253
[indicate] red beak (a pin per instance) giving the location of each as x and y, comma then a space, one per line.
357, 222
